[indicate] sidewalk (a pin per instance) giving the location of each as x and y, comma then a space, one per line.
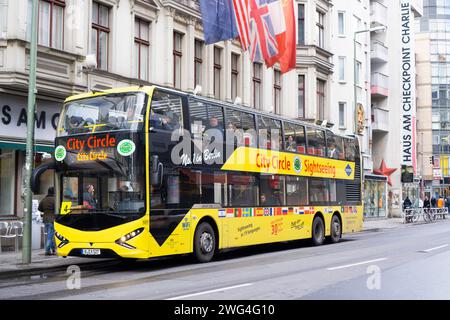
11, 263
385, 223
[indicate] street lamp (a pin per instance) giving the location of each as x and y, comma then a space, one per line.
374, 29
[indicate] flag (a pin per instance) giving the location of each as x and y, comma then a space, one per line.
283, 17
263, 44
241, 12
218, 20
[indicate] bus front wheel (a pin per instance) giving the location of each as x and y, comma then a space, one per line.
318, 231
204, 242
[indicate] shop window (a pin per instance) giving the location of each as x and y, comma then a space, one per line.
7, 181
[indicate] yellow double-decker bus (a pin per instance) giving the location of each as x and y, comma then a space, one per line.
148, 171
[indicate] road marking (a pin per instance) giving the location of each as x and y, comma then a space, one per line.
435, 248
356, 264
210, 291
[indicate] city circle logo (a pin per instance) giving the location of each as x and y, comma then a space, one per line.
126, 147
60, 153
297, 164
348, 170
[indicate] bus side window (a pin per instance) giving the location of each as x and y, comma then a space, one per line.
269, 133
289, 138
166, 111
349, 150
300, 139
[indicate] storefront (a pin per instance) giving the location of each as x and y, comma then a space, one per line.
13, 119
375, 196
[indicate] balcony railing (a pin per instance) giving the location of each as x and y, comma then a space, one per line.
379, 84
380, 120
378, 52
378, 14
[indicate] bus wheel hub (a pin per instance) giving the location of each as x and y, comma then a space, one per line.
206, 242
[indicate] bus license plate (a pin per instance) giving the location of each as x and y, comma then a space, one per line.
90, 252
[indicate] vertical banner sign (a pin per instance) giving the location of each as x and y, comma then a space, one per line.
408, 87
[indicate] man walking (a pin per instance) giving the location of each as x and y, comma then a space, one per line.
47, 206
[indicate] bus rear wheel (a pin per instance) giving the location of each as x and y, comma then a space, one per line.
318, 231
336, 229
204, 242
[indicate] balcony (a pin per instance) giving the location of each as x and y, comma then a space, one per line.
378, 14
379, 85
380, 120
378, 52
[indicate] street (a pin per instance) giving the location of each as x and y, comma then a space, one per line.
409, 262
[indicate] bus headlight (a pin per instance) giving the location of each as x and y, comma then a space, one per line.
122, 241
63, 240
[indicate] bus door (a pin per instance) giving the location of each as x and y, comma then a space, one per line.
167, 210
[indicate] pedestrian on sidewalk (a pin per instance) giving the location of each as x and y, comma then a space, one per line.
47, 206
407, 203
433, 202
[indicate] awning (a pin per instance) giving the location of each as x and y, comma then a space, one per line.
23, 146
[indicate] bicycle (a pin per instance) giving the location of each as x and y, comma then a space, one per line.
429, 215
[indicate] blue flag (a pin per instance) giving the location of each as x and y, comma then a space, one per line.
218, 20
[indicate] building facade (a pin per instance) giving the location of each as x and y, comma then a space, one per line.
393, 87
141, 42
435, 38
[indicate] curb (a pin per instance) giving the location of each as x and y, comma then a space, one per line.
30, 270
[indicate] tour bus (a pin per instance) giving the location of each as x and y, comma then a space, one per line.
149, 171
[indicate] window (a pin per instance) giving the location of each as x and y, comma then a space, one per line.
257, 85
301, 24
242, 190
335, 146
234, 75
342, 115
51, 23
320, 99
7, 181
301, 96
271, 190
277, 91
198, 62
217, 71
320, 32
316, 142
177, 56
341, 23
318, 191
296, 191
206, 124
3, 18
100, 34
269, 133
294, 136
240, 128
351, 149
341, 68
358, 73
142, 48
166, 112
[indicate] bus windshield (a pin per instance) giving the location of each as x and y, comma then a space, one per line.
98, 174
123, 111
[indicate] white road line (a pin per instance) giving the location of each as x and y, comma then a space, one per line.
210, 291
356, 264
435, 248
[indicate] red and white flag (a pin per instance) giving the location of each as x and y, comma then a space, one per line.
283, 18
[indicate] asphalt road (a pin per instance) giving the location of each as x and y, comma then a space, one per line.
412, 262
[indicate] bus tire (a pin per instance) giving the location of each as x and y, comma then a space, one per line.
335, 229
318, 231
204, 242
